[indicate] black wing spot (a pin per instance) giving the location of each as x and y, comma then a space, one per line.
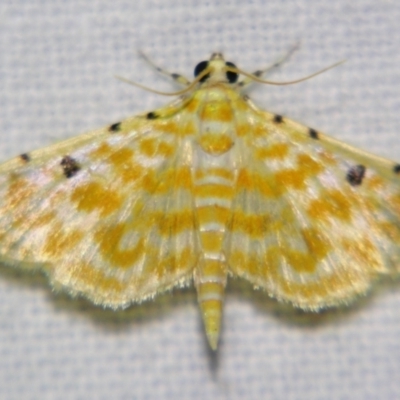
313, 133
25, 157
355, 175
396, 169
200, 67
231, 75
152, 115
278, 118
70, 166
115, 127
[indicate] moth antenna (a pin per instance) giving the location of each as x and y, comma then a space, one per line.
178, 93
257, 79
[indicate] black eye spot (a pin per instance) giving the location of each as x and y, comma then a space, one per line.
115, 127
200, 67
69, 166
151, 115
25, 157
355, 175
313, 133
230, 75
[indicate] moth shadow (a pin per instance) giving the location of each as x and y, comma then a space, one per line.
293, 316
122, 319
106, 318
170, 301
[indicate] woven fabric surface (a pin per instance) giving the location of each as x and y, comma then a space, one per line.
57, 66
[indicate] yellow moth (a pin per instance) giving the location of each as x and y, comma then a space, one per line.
204, 188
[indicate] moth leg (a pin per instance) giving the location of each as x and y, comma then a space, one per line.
175, 77
275, 65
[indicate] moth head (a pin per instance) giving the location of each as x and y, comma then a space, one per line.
216, 69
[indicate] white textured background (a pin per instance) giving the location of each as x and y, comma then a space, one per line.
57, 61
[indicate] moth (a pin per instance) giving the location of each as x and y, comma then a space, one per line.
207, 187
